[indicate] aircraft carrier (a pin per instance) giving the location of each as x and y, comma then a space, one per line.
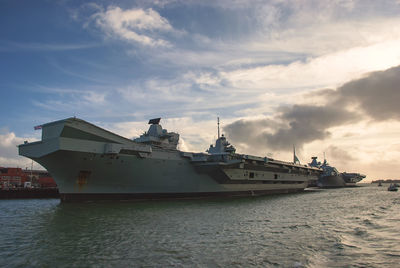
91, 163
332, 178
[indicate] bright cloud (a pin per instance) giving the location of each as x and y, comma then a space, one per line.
327, 70
9, 151
137, 25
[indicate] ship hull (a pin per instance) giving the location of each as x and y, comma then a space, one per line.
334, 181
86, 176
79, 197
350, 184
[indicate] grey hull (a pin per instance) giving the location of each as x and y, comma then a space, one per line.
84, 176
77, 197
335, 181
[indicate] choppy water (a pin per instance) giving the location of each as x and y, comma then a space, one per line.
352, 227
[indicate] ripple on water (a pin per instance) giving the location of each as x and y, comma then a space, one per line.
316, 229
396, 201
358, 231
368, 222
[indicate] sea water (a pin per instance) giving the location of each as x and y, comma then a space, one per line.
348, 227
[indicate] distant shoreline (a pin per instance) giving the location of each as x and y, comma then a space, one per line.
386, 181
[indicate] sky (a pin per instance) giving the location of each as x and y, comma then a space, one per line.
323, 76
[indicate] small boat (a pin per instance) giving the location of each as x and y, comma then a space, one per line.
392, 187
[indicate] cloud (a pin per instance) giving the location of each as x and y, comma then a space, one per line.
295, 125
340, 155
94, 98
376, 95
9, 46
306, 123
330, 69
71, 101
191, 91
134, 25
9, 150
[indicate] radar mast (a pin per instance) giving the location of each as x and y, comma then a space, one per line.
218, 126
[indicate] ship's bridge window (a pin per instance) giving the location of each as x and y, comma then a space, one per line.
275, 176
251, 175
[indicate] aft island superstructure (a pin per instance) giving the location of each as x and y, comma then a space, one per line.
90, 163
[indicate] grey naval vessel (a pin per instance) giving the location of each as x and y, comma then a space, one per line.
332, 178
91, 163
350, 179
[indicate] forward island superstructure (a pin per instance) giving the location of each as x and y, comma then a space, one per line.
90, 163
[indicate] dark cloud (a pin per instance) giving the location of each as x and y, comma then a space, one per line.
318, 117
248, 131
297, 125
306, 123
378, 94
375, 96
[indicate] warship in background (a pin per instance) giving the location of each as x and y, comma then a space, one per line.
351, 179
332, 178
90, 163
